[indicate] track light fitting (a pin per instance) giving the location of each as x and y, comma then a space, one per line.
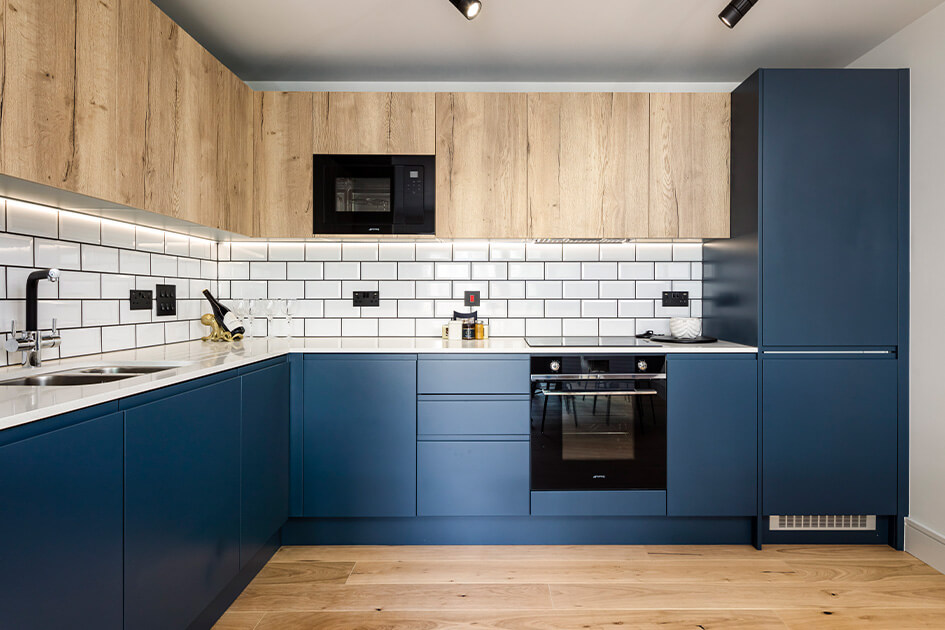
469, 8
735, 11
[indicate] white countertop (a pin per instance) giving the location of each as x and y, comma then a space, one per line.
194, 359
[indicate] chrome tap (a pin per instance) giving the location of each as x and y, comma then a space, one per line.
32, 340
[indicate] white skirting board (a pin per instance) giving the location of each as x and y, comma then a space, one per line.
926, 544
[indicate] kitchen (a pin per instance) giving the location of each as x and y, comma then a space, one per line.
468, 327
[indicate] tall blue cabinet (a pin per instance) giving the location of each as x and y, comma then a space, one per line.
816, 275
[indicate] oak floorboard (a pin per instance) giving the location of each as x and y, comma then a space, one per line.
238, 620
304, 573
402, 597
746, 552
526, 620
870, 619
514, 553
744, 596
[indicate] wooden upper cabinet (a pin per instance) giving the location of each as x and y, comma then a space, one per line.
37, 129
481, 170
588, 165
375, 122
235, 154
282, 137
689, 165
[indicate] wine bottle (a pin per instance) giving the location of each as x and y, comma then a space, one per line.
225, 316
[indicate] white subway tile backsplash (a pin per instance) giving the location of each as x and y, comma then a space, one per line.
323, 251
460, 288
131, 262
188, 267
118, 338
548, 289
694, 288
162, 265
117, 286
322, 327
115, 234
581, 251
341, 308
359, 328
543, 251
95, 258
620, 252
208, 268
248, 289
379, 271
78, 285
526, 308
396, 252
617, 289
599, 271
79, 341
248, 251
563, 271
323, 289
581, 289
342, 271
386, 308
509, 289
99, 312
305, 271
267, 270
526, 271
68, 313
562, 308
359, 251
286, 290
471, 250
415, 308
579, 327
492, 308
636, 271
687, 251
490, 271
599, 308
696, 271
415, 270
658, 326
16, 250
233, 270
506, 251
452, 271
433, 289
396, 328
396, 289
617, 327
175, 332
279, 250
653, 289
695, 308
201, 248
673, 270
654, 251
348, 286
543, 327
61, 254
149, 240
444, 309
309, 308
434, 251
79, 227
669, 311
149, 334
635, 308
28, 218
176, 245
507, 328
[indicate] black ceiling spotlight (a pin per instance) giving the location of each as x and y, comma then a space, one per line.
469, 8
735, 11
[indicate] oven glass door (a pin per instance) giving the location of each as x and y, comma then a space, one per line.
354, 195
598, 433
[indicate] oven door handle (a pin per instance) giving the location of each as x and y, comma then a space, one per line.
555, 378
591, 392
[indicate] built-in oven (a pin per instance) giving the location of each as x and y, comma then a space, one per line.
374, 194
598, 422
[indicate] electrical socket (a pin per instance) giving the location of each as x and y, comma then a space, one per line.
675, 298
366, 298
140, 299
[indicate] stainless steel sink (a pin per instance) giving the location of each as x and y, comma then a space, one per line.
64, 378
89, 375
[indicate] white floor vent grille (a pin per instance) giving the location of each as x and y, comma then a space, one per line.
822, 522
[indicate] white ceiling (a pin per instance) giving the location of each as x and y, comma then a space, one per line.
534, 40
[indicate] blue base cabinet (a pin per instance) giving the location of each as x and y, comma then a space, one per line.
712, 435
360, 435
830, 436
472, 478
182, 504
61, 525
264, 444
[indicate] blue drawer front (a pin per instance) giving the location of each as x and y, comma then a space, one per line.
491, 374
599, 503
472, 478
451, 415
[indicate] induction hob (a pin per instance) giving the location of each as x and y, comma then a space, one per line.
589, 342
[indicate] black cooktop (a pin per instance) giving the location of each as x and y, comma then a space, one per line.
607, 342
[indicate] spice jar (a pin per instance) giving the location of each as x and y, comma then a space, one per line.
469, 329
480, 330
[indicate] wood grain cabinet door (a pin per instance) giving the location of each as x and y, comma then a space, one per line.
282, 140
481, 172
376, 123
587, 165
689, 165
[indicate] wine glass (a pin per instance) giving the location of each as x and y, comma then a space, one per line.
240, 310
291, 308
270, 309
253, 313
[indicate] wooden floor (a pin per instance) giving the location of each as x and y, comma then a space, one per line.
529, 588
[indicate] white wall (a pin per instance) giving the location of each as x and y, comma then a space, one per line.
921, 47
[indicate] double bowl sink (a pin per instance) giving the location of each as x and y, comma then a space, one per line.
94, 375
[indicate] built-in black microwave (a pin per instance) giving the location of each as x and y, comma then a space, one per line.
374, 194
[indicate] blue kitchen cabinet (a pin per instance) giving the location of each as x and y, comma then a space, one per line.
360, 435
830, 435
712, 435
473, 374
830, 197
264, 456
182, 503
61, 523
473, 478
